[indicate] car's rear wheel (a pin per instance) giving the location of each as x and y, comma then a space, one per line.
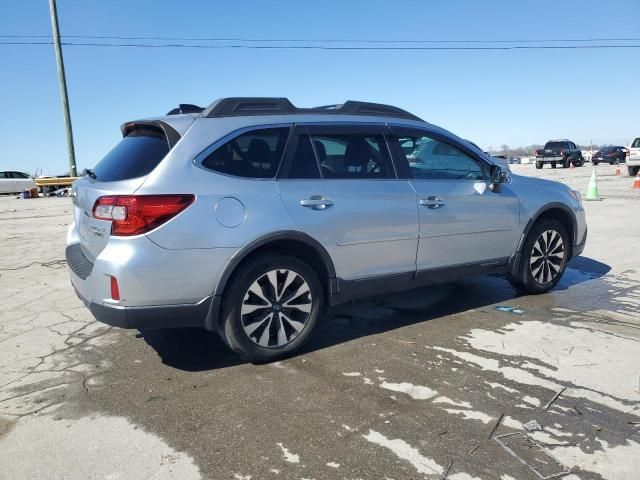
566, 163
271, 306
553, 164
538, 165
632, 171
545, 254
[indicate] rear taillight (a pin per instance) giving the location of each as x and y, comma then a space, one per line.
137, 214
561, 152
538, 152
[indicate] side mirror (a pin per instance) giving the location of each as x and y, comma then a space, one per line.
498, 174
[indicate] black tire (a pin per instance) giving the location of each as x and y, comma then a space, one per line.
580, 161
553, 164
539, 275
566, 163
595, 162
632, 171
538, 165
235, 331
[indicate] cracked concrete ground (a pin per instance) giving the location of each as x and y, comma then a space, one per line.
404, 386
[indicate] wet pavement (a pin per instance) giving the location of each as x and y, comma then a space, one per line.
406, 386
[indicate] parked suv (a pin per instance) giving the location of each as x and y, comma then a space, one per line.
250, 216
559, 152
633, 158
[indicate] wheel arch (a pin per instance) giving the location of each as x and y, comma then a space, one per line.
555, 210
291, 242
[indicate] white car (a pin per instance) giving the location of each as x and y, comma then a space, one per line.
633, 158
13, 182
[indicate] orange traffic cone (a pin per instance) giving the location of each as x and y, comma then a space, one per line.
618, 171
636, 183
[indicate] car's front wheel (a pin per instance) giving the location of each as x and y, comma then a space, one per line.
271, 306
545, 254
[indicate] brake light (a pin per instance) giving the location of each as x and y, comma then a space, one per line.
561, 152
137, 214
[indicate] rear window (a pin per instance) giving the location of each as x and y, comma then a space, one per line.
551, 145
136, 155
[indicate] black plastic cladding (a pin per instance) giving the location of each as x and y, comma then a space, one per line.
241, 106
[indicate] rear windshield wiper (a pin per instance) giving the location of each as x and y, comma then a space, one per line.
88, 171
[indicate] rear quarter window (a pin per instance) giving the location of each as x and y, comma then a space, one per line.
253, 154
136, 155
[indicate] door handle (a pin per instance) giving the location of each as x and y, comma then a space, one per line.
316, 202
432, 202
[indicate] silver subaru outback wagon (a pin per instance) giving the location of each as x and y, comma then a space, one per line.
251, 216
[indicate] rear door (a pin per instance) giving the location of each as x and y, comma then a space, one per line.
340, 186
23, 181
120, 172
462, 221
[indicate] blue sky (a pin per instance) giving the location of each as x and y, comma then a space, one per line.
491, 97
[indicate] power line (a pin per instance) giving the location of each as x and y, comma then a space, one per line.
326, 47
327, 40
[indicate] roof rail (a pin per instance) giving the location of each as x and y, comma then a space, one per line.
241, 106
185, 108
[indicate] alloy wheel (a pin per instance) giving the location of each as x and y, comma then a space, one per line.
547, 256
276, 308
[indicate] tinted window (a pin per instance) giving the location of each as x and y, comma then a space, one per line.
3, 175
136, 155
433, 159
636, 143
552, 145
351, 156
254, 154
19, 175
304, 164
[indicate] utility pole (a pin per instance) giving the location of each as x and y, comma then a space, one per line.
73, 171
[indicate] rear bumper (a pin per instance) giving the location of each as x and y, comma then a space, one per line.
633, 163
160, 316
549, 159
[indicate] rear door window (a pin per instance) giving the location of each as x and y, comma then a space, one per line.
353, 156
254, 154
136, 155
304, 165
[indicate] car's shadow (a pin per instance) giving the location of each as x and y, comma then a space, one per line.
195, 349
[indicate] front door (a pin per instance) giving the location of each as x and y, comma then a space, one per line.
462, 221
340, 186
